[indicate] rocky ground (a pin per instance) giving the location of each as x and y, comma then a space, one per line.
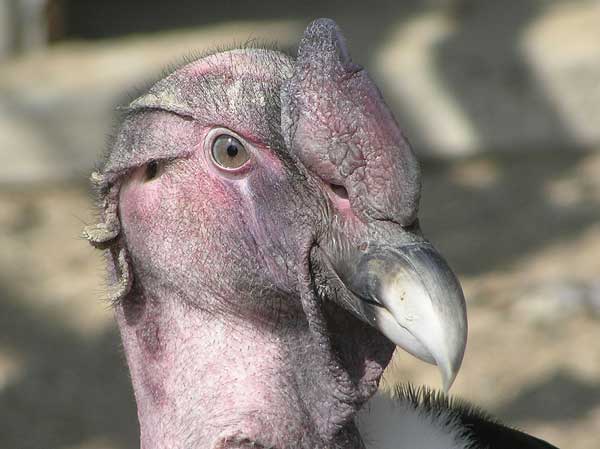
523, 233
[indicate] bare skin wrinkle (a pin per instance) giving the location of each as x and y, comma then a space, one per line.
335, 120
102, 234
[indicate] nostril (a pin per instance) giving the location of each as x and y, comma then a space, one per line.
339, 191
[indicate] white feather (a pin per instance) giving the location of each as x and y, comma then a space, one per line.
385, 423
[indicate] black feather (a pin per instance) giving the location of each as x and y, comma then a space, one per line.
483, 430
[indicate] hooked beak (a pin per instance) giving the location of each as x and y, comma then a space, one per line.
412, 296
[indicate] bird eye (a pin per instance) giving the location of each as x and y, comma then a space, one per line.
152, 171
228, 152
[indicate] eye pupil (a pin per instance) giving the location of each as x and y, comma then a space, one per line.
228, 152
151, 170
232, 150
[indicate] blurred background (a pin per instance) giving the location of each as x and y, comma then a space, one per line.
501, 101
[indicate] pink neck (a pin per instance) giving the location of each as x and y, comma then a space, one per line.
204, 382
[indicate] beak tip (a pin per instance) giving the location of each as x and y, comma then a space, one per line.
450, 368
448, 376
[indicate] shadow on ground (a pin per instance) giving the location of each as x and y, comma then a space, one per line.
560, 397
518, 105
69, 390
491, 211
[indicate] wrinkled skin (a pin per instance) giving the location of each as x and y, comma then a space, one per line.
335, 119
232, 286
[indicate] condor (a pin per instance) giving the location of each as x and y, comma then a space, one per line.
260, 220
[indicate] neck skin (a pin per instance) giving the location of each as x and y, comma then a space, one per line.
207, 381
